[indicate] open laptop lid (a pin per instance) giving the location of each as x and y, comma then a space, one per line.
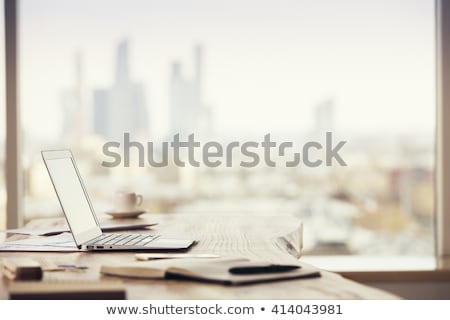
72, 195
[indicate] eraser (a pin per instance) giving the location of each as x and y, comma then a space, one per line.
21, 269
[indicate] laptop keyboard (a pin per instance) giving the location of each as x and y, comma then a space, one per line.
123, 239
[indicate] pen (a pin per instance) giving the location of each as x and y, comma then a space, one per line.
72, 266
256, 269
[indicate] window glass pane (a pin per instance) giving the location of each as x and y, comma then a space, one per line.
233, 72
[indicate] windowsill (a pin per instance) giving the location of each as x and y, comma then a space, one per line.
384, 269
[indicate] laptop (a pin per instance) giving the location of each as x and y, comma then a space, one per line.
80, 215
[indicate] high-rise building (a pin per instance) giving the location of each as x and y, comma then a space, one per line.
188, 111
75, 122
101, 115
324, 117
121, 108
122, 67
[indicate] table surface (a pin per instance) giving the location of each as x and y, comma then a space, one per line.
276, 238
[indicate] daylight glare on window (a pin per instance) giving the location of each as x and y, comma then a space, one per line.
117, 80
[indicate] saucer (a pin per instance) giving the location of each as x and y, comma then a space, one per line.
126, 214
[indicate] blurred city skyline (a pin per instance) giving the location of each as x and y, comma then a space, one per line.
271, 66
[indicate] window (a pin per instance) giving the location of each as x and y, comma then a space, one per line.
237, 71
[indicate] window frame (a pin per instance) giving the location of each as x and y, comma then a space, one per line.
442, 180
13, 167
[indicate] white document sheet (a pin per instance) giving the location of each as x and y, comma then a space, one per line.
59, 243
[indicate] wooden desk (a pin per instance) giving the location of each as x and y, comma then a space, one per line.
275, 238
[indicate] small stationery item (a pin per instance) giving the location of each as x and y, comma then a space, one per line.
21, 269
71, 290
72, 267
211, 270
155, 256
256, 268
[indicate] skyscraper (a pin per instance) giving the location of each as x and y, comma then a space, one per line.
188, 111
324, 117
122, 69
75, 122
121, 108
101, 105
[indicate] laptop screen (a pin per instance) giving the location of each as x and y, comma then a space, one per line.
73, 199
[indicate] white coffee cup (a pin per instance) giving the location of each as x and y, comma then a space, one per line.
125, 201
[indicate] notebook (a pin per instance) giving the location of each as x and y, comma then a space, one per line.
207, 270
80, 215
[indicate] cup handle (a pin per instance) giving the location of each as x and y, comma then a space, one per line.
138, 200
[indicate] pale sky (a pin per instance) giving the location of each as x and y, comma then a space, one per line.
267, 63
